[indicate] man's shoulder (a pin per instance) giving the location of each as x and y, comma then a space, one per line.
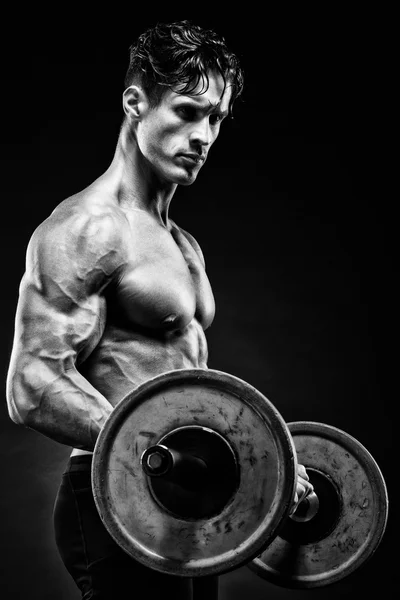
83, 228
82, 220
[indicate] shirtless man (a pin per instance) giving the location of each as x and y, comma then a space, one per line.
116, 293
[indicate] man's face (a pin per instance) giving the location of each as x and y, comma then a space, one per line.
175, 136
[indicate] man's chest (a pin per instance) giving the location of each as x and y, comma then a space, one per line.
163, 283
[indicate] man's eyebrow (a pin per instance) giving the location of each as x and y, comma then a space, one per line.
217, 108
198, 100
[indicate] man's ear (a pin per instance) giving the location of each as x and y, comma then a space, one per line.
134, 102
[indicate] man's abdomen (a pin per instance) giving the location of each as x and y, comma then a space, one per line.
124, 359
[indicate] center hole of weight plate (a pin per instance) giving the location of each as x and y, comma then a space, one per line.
324, 521
204, 477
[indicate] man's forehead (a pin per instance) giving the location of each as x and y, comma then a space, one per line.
215, 91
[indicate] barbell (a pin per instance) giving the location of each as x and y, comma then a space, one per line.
194, 474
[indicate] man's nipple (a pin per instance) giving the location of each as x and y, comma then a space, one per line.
173, 321
169, 320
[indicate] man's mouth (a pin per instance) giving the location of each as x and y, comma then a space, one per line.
193, 158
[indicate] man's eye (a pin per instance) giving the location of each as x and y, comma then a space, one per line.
187, 112
215, 119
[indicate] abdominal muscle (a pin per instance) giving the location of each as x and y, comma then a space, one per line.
125, 358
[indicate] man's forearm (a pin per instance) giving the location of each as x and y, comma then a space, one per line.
65, 408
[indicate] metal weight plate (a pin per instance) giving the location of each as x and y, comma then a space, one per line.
351, 517
194, 544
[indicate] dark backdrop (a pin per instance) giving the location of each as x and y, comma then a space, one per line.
291, 214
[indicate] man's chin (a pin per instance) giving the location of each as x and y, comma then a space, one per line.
188, 181
186, 178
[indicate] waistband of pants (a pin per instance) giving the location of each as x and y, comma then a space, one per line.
82, 462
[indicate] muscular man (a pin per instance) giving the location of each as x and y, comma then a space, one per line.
115, 292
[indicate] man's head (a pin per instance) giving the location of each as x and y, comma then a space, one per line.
179, 56
181, 83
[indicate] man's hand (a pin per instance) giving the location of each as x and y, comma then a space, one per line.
303, 487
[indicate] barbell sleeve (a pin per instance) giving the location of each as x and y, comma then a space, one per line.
182, 468
306, 509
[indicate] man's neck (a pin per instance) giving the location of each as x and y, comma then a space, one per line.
134, 184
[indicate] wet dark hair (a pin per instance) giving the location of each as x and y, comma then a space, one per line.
178, 56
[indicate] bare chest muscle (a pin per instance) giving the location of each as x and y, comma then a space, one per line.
163, 285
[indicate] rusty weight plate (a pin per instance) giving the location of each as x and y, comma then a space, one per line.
352, 515
265, 456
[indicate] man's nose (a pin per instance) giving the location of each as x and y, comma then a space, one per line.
201, 134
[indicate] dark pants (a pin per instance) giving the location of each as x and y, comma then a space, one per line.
97, 564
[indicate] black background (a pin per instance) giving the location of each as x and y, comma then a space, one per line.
291, 212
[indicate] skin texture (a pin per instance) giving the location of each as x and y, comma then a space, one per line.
114, 292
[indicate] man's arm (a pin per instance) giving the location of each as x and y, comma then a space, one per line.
60, 318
